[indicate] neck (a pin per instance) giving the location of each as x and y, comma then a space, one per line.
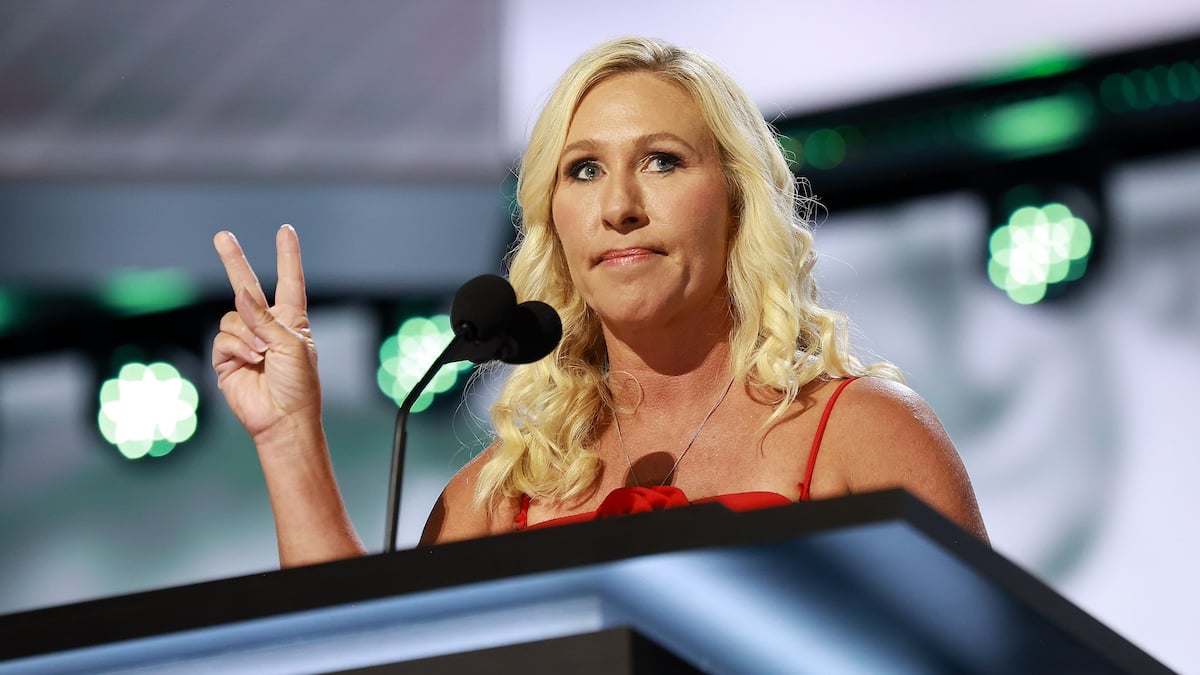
667, 369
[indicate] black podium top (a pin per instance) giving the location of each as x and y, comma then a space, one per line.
867, 583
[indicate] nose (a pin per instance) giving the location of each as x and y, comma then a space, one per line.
622, 208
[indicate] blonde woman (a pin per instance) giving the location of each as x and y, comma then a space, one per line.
660, 218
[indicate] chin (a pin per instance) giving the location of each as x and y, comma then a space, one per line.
642, 316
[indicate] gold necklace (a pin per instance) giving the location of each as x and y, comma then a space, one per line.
696, 434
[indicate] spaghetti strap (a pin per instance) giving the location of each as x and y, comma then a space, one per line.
816, 446
521, 520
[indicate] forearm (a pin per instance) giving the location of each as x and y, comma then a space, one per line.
311, 522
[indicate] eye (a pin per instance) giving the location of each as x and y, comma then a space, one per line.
663, 162
583, 170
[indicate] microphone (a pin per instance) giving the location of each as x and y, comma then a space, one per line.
488, 325
480, 315
534, 332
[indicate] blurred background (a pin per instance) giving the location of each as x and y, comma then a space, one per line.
1012, 197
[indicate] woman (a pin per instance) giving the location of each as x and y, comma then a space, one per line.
660, 218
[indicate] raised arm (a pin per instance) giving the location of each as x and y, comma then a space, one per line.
266, 365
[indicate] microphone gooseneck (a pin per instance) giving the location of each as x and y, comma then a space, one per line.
488, 325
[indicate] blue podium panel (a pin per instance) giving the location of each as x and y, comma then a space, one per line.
862, 584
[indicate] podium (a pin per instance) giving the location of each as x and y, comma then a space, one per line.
872, 583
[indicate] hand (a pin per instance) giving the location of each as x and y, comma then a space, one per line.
264, 357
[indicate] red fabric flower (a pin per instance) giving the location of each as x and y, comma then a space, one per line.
627, 500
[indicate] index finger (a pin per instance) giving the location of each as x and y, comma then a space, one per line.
289, 290
237, 268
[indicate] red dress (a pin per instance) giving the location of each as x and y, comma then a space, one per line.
627, 500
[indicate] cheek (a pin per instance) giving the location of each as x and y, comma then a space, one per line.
565, 218
707, 209
570, 219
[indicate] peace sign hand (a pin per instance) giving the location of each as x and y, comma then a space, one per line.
264, 357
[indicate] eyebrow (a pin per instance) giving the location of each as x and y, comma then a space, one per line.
588, 144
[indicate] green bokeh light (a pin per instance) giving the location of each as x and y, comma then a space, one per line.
10, 310
1039, 247
1145, 88
825, 148
405, 356
793, 150
1039, 65
1183, 81
1039, 125
147, 291
147, 409
1117, 93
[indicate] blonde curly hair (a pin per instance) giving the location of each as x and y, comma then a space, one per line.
548, 413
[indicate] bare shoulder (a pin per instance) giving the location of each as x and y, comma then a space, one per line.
888, 414
883, 435
455, 516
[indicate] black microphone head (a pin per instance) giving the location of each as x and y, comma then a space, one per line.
534, 332
482, 309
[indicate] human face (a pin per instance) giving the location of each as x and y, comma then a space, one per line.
641, 206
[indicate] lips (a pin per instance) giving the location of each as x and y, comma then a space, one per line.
624, 256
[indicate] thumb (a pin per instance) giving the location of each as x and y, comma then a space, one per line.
261, 321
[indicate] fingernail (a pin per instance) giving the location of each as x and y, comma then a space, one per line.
258, 345
256, 358
288, 226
